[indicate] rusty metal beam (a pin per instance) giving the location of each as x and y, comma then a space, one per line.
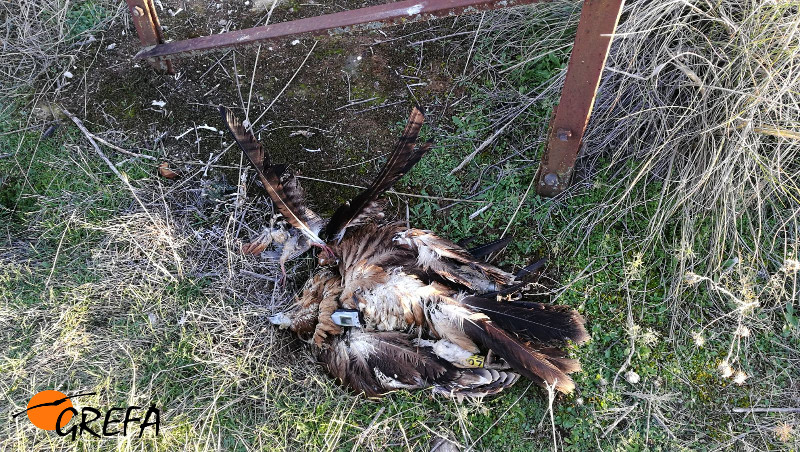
398, 12
593, 39
148, 27
592, 42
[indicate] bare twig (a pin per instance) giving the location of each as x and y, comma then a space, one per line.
123, 151
766, 410
291, 79
474, 40
627, 411
436, 198
58, 249
367, 430
519, 206
92, 140
551, 395
356, 102
124, 179
491, 139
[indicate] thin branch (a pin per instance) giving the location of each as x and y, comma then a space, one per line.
123, 151
766, 410
124, 179
435, 198
491, 139
286, 85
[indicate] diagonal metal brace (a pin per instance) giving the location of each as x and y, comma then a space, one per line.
593, 39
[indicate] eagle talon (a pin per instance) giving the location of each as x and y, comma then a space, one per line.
283, 278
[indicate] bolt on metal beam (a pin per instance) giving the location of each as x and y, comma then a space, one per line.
564, 138
145, 19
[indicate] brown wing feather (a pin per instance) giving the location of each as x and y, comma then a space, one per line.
297, 197
296, 214
531, 363
453, 262
533, 321
375, 363
404, 156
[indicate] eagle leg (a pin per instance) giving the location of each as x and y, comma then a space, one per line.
325, 325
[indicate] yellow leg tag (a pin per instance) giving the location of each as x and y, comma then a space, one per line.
475, 361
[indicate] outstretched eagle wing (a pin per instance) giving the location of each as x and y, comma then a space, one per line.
287, 197
375, 363
404, 156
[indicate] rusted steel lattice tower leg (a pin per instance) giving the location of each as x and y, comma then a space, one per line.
148, 28
596, 27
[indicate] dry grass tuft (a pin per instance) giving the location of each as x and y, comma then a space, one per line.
705, 98
43, 39
700, 104
696, 119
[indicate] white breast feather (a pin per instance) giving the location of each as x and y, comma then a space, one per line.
452, 352
383, 309
389, 382
362, 347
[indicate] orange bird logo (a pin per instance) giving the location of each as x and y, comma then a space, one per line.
52, 410
45, 407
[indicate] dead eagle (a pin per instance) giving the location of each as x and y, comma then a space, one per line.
400, 308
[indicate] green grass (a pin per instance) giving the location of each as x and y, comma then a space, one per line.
220, 374
84, 17
91, 298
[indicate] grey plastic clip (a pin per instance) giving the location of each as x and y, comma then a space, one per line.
346, 317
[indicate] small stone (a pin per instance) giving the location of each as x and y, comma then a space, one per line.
295, 42
632, 377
